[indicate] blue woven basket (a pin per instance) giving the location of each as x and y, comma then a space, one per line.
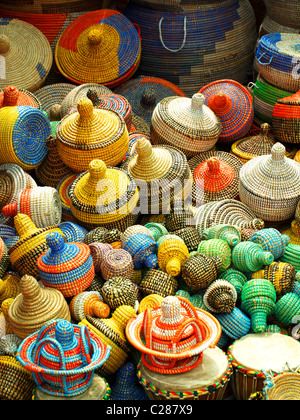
73, 232
143, 251
126, 387
271, 240
235, 324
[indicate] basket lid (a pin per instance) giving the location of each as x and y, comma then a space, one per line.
12, 96
216, 174
101, 46
253, 146
293, 100
102, 188
89, 127
145, 92
233, 104
271, 175
26, 55
54, 94
284, 44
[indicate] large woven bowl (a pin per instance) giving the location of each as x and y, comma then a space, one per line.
269, 185
276, 59
99, 47
185, 123
25, 53
170, 40
145, 92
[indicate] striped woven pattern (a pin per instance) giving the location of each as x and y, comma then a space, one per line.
287, 307
63, 188
101, 46
52, 95
220, 297
71, 355
16, 382
269, 185
88, 303
24, 131
143, 251
117, 263
216, 247
286, 117
171, 254
67, 267
249, 256
145, 92
199, 271
72, 231
271, 240
170, 39
125, 387
186, 124
118, 291
284, 12
228, 233
275, 60
233, 104
4, 258
159, 283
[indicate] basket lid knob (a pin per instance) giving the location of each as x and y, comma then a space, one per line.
11, 96
278, 152
265, 128
55, 241
85, 108
95, 37
148, 98
64, 332
4, 44
219, 101
29, 287
97, 169
197, 101
213, 164
143, 148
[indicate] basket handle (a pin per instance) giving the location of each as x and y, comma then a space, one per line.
264, 64
161, 37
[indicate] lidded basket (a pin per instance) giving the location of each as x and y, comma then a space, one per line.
286, 118
66, 266
171, 254
12, 96
35, 306
89, 134
104, 196
270, 185
186, 124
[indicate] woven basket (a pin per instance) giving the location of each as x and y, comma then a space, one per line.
286, 118
284, 12
199, 271
271, 240
159, 283
265, 96
216, 176
118, 291
170, 39
41, 204
12, 96
220, 297
101, 46
98, 250
145, 92
73, 97
236, 324
73, 232
150, 301
112, 333
9, 286
24, 131
91, 134
101, 234
16, 382
233, 104
254, 146
132, 230
275, 60
186, 124
93, 206
88, 303
216, 247
291, 255
171, 254
26, 55
285, 386
142, 249
67, 267
4, 258
190, 236
269, 185
270, 26
52, 95
51, 170
70, 356
162, 174
63, 188
236, 278
248, 256
34, 307
125, 387
287, 308
258, 300
226, 212
281, 275
117, 263
228, 233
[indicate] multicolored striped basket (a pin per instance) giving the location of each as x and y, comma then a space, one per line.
186, 124
286, 119
70, 356
170, 39
265, 96
276, 59
101, 46
63, 188
145, 92
26, 56
216, 176
67, 267
23, 134
91, 134
233, 104
269, 185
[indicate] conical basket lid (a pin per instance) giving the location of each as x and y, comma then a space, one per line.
12, 96
26, 55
